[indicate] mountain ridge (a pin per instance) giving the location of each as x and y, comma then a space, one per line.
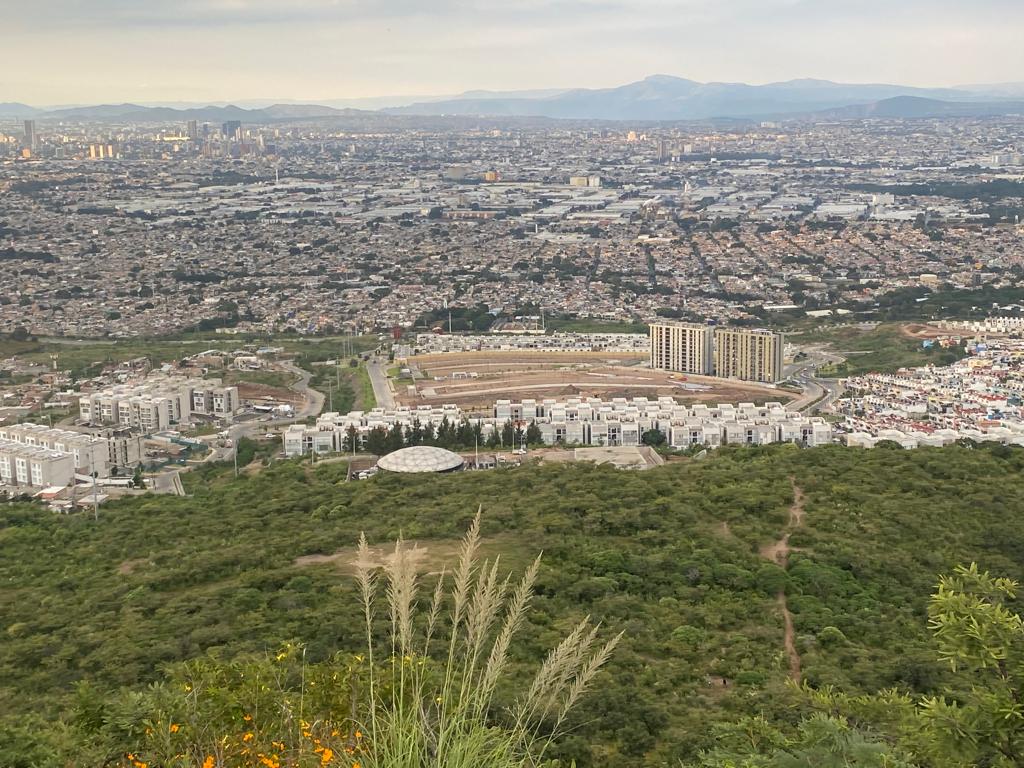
658, 97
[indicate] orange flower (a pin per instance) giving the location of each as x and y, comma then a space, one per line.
247, 736
325, 758
175, 728
208, 762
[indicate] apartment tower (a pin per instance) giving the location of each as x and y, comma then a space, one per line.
750, 355
684, 347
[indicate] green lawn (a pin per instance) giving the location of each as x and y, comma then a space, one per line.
364, 389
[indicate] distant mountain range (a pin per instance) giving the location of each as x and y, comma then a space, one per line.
139, 113
909, 107
662, 97
659, 97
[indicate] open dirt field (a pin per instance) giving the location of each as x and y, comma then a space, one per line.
923, 331
493, 362
263, 393
473, 381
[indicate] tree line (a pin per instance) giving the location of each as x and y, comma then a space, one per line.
462, 435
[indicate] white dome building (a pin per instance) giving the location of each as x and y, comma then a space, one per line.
421, 458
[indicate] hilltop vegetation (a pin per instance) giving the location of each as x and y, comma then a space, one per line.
674, 557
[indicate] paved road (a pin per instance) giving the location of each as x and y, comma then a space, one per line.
818, 393
313, 404
314, 400
381, 388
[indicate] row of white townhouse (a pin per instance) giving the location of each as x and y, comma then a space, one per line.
582, 421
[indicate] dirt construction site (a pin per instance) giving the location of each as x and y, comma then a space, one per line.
474, 380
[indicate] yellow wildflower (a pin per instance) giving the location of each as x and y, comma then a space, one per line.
175, 728
208, 762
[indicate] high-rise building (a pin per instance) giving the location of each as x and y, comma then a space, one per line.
193, 130
751, 355
232, 130
31, 137
683, 347
730, 353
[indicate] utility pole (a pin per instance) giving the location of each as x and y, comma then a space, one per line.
95, 490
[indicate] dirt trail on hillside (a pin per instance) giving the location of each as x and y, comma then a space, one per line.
778, 553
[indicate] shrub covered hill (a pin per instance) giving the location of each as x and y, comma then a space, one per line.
697, 562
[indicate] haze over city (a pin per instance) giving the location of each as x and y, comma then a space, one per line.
108, 51
479, 384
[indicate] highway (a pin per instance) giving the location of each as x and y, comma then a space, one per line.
818, 393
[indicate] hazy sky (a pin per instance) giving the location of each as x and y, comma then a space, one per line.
88, 51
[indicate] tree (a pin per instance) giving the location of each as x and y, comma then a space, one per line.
507, 434
415, 435
351, 441
418, 710
533, 434
979, 635
429, 436
464, 434
445, 433
654, 437
821, 741
377, 441
20, 333
395, 439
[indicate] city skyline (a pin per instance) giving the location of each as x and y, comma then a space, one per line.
318, 50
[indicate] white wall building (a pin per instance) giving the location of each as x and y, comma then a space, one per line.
158, 403
34, 467
584, 421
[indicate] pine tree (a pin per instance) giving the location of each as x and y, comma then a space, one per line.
351, 442
533, 434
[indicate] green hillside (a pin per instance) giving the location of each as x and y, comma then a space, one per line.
679, 558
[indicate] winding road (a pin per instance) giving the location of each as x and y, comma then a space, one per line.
818, 393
